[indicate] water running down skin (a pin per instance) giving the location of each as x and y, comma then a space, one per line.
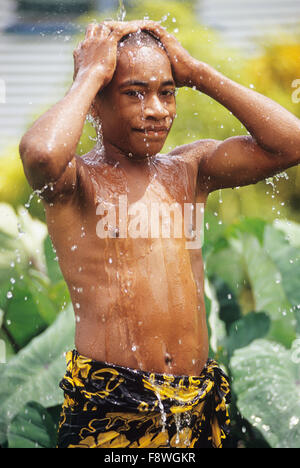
140, 302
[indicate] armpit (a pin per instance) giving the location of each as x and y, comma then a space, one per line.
62, 190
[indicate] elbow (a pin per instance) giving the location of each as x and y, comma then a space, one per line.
38, 163
30, 153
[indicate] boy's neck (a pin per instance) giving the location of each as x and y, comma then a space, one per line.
114, 155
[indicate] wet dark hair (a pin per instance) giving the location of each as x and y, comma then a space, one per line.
139, 39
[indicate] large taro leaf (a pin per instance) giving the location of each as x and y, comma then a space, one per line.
21, 240
266, 380
253, 226
29, 310
216, 326
34, 373
242, 332
290, 229
287, 259
32, 427
268, 291
53, 268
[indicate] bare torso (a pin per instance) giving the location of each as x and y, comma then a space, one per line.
138, 302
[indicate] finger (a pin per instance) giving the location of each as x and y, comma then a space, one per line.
154, 27
90, 30
125, 27
76, 50
103, 31
148, 26
121, 30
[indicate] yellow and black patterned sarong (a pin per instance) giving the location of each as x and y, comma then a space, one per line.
109, 406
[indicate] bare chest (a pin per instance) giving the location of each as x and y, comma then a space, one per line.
159, 202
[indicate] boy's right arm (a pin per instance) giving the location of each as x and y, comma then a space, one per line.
48, 148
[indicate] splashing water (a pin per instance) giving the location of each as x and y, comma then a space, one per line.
121, 11
270, 180
96, 123
162, 412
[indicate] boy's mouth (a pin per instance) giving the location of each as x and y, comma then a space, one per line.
152, 131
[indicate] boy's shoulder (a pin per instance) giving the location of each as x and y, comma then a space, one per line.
195, 151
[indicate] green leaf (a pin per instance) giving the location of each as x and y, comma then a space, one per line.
21, 238
22, 318
226, 264
30, 310
53, 268
254, 226
34, 373
249, 328
291, 231
287, 259
59, 294
263, 275
216, 326
266, 382
229, 307
32, 427
268, 291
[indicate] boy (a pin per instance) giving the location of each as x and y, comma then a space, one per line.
140, 374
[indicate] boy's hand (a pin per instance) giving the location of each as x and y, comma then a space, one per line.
96, 54
183, 64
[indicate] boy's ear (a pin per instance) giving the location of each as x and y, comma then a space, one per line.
95, 109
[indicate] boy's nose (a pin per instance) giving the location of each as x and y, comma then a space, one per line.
153, 107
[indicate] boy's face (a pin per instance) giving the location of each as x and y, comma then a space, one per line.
138, 106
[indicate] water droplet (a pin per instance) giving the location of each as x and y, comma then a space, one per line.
293, 422
121, 11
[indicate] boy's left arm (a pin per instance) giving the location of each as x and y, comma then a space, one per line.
274, 141
272, 146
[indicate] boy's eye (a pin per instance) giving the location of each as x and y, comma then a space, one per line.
169, 92
133, 93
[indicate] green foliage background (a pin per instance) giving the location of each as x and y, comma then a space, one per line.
251, 254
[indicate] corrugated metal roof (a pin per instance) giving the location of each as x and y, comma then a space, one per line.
36, 71
244, 22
